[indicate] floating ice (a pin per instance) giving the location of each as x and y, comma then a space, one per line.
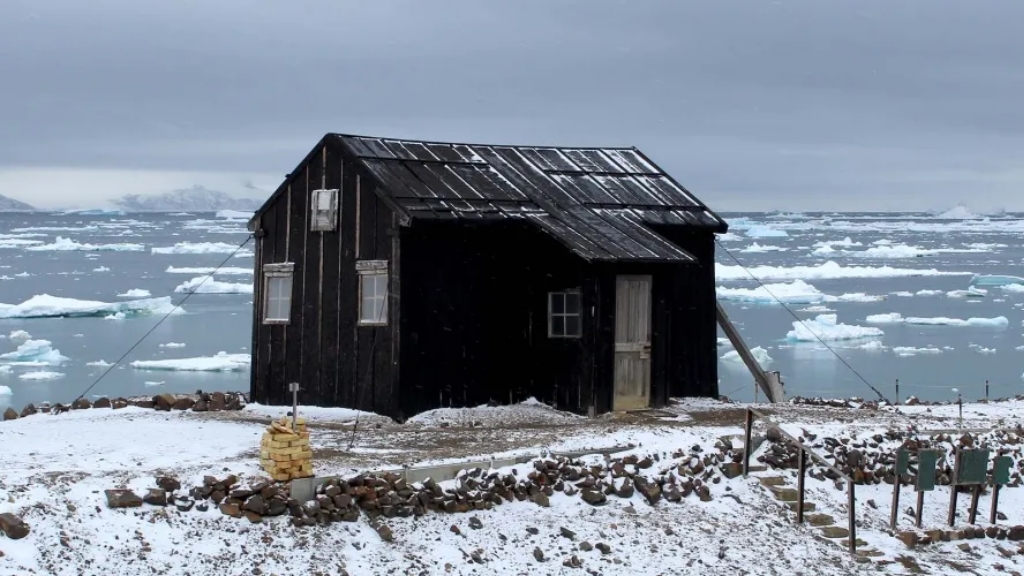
757, 248
222, 362
135, 293
36, 351
101, 269
727, 342
911, 351
1015, 288
844, 243
150, 383
824, 327
234, 215
765, 232
981, 349
998, 321
207, 285
795, 292
887, 318
41, 375
971, 292
100, 364
5, 391
226, 270
958, 212
19, 335
62, 244
984, 246
18, 242
115, 316
902, 294
46, 306
816, 309
827, 270
872, 346
929, 292
728, 237
173, 345
994, 280
760, 354
200, 248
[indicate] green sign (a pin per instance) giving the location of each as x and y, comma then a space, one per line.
973, 468
1001, 470
926, 461
902, 462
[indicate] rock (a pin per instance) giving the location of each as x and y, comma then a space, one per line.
532, 530
255, 504
732, 469
122, 499
593, 497
13, 527
155, 497
231, 510
168, 483
216, 402
541, 499
28, 410
604, 548
182, 404
102, 403
385, 533
118, 404
163, 401
81, 404
184, 504
834, 532
572, 562
252, 517
566, 533
1015, 534
909, 538
586, 546
774, 434
475, 523
964, 547
10, 414
455, 530
538, 554
199, 406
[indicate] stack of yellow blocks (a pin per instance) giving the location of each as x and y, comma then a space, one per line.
285, 453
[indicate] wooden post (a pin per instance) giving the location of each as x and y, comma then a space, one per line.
801, 475
897, 391
920, 508
748, 426
951, 517
975, 495
995, 504
986, 389
294, 389
853, 516
894, 514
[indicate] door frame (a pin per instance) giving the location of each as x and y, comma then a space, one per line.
643, 349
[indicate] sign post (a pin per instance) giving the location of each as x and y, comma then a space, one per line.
294, 389
926, 461
1000, 476
902, 464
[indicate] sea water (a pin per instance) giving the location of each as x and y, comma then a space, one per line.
889, 296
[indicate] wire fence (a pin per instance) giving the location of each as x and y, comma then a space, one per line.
902, 390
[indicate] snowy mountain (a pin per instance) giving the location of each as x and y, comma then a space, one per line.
194, 199
12, 205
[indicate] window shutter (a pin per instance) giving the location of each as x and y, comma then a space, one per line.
324, 210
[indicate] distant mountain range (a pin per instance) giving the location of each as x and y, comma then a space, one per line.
12, 205
194, 199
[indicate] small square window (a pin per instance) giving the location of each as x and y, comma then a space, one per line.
323, 210
373, 292
564, 318
277, 303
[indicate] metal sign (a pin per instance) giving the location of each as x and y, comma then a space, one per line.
926, 461
1001, 470
972, 467
902, 462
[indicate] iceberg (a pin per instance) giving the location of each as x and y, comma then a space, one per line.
795, 292
760, 354
41, 375
911, 351
825, 327
62, 244
994, 280
35, 352
758, 248
201, 248
135, 293
897, 318
887, 318
222, 362
207, 285
830, 270
5, 391
46, 306
765, 232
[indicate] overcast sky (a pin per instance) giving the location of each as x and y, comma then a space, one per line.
753, 105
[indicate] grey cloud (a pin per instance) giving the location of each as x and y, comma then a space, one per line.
752, 104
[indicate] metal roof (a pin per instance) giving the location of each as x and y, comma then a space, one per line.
596, 201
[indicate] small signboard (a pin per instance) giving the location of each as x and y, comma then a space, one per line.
1001, 470
972, 467
926, 461
902, 462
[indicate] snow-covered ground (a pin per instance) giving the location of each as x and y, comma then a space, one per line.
56, 468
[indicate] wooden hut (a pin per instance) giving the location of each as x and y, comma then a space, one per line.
398, 276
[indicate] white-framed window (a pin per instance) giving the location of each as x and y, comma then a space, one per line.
373, 292
564, 316
277, 293
323, 206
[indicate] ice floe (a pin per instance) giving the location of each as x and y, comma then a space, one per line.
959, 212
234, 215
100, 364
34, 352
912, 351
5, 391
995, 280
970, 292
46, 306
101, 269
759, 354
795, 292
225, 270
201, 248
173, 345
207, 285
897, 318
826, 328
981, 349
41, 375
62, 244
762, 231
135, 293
758, 248
222, 362
844, 243
829, 270
19, 335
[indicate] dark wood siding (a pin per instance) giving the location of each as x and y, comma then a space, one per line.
330, 275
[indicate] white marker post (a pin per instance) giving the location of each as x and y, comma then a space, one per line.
294, 389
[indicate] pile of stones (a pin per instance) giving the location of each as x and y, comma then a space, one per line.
198, 402
872, 459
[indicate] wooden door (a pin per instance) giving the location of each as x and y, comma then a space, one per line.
632, 343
